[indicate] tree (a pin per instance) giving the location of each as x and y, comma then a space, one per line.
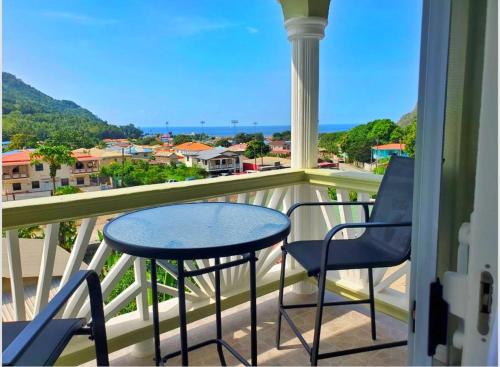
182, 138
381, 130
245, 138
22, 141
330, 142
223, 142
54, 156
256, 148
67, 230
356, 143
409, 138
131, 132
284, 135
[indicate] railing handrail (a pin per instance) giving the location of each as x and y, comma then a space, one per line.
45, 210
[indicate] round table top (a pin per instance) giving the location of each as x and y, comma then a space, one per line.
196, 230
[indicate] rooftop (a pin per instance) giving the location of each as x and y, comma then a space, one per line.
193, 146
392, 146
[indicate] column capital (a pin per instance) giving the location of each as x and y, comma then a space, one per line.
306, 27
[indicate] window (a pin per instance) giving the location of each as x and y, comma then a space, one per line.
64, 181
16, 186
39, 167
79, 165
35, 184
223, 161
16, 169
80, 181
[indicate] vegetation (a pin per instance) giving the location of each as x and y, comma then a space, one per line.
30, 116
284, 135
330, 142
246, 138
67, 230
55, 156
256, 148
148, 140
182, 138
410, 137
223, 142
136, 173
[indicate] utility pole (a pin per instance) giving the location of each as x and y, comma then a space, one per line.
234, 123
166, 127
255, 127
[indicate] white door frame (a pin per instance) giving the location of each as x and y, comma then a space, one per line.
436, 17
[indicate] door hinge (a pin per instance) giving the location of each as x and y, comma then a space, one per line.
438, 318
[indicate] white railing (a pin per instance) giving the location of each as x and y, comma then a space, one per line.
277, 190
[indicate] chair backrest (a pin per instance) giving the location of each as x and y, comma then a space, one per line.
394, 204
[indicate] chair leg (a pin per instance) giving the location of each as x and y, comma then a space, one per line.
280, 298
319, 318
372, 303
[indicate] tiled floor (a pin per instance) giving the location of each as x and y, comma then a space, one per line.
343, 327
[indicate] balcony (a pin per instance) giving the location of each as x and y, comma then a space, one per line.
84, 170
8, 176
128, 332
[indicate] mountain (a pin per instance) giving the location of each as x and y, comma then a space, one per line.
19, 96
408, 118
30, 116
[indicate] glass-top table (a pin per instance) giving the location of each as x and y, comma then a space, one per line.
199, 231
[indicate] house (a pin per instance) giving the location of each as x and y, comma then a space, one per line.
191, 147
19, 175
215, 161
386, 150
133, 151
166, 156
105, 156
265, 164
280, 147
238, 148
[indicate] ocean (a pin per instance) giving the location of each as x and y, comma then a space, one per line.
267, 130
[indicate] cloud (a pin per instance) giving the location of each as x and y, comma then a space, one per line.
190, 26
252, 30
80, 18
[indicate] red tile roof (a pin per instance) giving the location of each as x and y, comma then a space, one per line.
193, 146
392, 146
21, 157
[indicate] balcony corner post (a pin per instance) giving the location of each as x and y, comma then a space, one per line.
305, 23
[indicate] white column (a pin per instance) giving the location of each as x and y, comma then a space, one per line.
305, 34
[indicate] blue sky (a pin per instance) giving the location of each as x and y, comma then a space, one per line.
215, 60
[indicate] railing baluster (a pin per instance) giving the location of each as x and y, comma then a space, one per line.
109, 281
122, 300
79, 248
142, 297
16, 275
97, 263
46, 266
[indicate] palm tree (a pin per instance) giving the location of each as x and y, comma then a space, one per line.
54, 156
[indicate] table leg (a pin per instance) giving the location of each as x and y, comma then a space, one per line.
253, 308
182, 312
156, 318
218, 310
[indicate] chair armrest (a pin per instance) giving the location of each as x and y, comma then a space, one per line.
364, 204
340, 227
26, 337
328, 238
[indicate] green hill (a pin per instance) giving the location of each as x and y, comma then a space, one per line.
30, 116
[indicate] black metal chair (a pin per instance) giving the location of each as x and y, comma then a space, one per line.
41, 341
385, 242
